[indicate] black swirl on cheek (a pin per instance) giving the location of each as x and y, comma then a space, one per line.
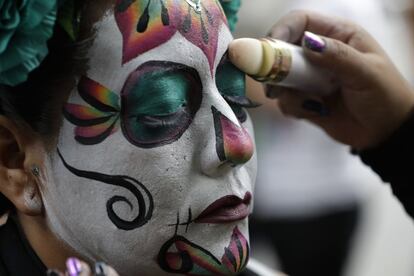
129, 183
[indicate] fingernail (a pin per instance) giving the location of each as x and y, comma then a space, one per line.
313, 42
315, 106
100, 269
52, 272
74, 266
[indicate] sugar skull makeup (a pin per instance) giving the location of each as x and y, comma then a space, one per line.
155, 168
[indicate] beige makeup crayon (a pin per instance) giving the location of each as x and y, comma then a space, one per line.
276, 62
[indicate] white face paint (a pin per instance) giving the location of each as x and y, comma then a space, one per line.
183, 175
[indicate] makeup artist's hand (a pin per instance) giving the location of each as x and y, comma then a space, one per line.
373, 100
75, 267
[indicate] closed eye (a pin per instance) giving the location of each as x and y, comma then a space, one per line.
169, 120
160, 100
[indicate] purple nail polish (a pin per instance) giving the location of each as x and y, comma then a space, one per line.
314, 42
74, 266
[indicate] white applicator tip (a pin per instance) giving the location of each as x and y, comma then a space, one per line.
246, 54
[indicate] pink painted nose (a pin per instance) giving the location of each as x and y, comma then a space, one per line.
233, 143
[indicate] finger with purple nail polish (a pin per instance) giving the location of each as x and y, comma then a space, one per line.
74, 267
313, 42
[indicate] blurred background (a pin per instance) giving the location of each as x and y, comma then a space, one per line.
318, 209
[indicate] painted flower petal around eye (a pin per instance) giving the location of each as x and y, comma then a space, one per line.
98, 96
95, 134
236, 254
84, 115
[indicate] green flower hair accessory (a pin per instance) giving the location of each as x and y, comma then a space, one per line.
231, 8
25, 28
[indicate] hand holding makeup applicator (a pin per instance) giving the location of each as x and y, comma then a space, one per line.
279, 63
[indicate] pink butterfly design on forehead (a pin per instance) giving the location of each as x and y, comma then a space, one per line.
146, 24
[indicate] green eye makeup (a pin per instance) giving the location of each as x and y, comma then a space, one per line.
159, 101
231, 83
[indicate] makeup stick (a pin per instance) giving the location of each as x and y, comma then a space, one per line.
279, 63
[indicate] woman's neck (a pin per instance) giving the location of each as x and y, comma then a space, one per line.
50, 250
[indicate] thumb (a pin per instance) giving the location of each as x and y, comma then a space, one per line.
337, 57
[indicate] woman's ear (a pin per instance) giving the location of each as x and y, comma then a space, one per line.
21, 160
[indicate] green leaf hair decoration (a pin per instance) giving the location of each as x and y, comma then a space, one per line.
25, 28
69, 18
231, 8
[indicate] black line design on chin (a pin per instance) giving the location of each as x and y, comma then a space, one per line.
181, 256
129, 183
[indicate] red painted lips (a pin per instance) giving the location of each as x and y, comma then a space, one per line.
226, 209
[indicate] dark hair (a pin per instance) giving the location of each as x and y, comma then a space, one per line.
38, 101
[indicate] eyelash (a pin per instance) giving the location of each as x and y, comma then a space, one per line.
161, 121
237, 104
171, 120
240, 101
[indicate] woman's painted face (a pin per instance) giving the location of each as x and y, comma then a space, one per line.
155, 164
